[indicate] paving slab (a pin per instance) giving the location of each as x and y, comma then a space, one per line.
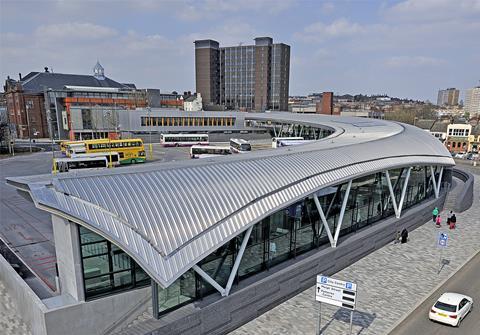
10, 321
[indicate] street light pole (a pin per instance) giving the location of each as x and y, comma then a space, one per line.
150, 136
27, 107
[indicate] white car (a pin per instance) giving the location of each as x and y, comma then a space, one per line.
451, 308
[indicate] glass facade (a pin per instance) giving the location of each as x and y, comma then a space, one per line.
106, 268
186, 121
298, 229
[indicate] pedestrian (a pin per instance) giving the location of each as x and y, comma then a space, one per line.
453, 221
449, 216
434, 214
397, 237
404, 236
438, 221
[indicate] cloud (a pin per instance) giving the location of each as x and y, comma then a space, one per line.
413, 61
75, 30
319, 31
433, 10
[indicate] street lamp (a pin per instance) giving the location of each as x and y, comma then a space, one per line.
27, 107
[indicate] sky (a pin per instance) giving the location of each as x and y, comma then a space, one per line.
407, 49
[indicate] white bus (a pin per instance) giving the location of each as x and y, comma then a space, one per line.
202, 151
238, 145
276, 140
68, 164
75, 149
176, 140
288, 143
115, 156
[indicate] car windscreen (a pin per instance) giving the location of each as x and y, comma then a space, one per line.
445, 307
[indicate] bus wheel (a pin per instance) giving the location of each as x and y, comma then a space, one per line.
133, 161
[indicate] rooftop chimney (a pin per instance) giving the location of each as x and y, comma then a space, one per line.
20, 76
46, 69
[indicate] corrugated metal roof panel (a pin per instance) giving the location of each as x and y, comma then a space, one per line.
170, 216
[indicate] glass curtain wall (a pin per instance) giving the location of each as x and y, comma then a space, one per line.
106, 268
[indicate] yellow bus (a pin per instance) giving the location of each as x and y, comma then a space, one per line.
64, 145
130, 151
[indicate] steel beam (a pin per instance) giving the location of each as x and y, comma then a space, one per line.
342, 212
155, 307
209, 279
392, 194
404, 189
237, 261
436, 184
324, 220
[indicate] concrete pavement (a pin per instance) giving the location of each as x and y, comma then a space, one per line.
391, 281
465, 282
10, 322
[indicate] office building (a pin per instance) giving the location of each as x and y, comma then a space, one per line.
244, 77
472, 100
448, 97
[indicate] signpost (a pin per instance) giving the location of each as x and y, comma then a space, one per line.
335, 292
442, 243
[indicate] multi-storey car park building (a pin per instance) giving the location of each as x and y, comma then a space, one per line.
245, 77
214, 243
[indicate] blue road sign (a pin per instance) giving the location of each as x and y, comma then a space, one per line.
348, 286
442, 240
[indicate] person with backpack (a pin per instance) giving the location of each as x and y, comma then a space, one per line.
434, 214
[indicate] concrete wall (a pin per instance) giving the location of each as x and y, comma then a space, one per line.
222, 315
67, 249
94, 317
28, 304
464, 199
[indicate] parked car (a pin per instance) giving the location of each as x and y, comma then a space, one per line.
451, 308
460, 155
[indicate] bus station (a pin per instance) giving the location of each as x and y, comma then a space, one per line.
207, 245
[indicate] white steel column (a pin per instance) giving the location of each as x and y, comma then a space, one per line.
342, 212
209, 279
324, 220
392, 194
237, 261
404, 189
225, 291
436, 184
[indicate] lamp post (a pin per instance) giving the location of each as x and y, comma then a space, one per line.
27, 107
109, 120
150, 147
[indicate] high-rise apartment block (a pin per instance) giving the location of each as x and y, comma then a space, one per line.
245, 77
472, 100
448, 97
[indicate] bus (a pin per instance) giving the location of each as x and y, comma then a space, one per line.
65, 144
115, 156
130, 151
203, 151
276, 140
176, 140
288, 143
239, 146
75, 148
68, 164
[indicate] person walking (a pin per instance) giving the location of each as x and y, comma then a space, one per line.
449, 217
404, 236
434, 214
453, 221
438, 221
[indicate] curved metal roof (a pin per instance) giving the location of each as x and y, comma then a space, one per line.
169, 216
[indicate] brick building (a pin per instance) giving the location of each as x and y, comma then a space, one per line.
39, 103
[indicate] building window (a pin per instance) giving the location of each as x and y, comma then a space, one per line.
106, 268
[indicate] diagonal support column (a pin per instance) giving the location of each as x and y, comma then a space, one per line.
392, 194
324, 220
238, 259
225, 291
342, 212
208, 279
404, 189
436, 184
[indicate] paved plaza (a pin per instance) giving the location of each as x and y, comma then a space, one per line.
10, 322
391, 281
